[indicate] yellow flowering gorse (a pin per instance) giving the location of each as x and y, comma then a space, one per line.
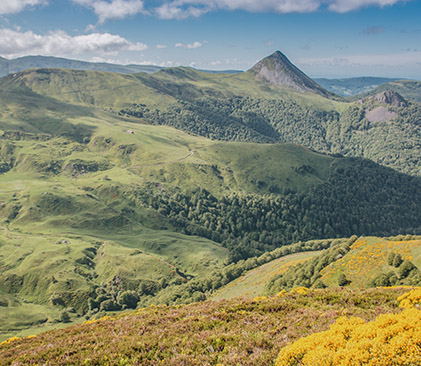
410, 299
392, 339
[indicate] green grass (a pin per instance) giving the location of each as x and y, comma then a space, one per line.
253, 283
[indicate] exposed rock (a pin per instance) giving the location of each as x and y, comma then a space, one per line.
380, 114
278, 70
390, 98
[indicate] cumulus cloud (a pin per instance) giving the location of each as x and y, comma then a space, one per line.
15, 6
114, 9
181, 9
161, 46
189, 46
14, 44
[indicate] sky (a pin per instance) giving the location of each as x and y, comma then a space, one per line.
325, 38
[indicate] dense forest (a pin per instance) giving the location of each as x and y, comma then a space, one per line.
359, 198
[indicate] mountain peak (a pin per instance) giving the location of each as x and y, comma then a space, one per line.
278, 70
392, 98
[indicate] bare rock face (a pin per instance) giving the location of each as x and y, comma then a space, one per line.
380, 114
390, 98
278, 70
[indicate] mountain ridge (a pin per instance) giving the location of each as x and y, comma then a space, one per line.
10, 66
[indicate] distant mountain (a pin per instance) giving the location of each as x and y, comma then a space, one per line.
352, 86
229, 107
278, 70
409, 89
32, 62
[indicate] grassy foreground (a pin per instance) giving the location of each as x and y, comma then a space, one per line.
234, 332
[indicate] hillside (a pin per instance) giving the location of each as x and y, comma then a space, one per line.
245, 332
105, 206
253, 282
160, 214
409, 89
368, 262
324, 268
228, 107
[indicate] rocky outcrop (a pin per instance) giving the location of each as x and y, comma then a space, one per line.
390, 98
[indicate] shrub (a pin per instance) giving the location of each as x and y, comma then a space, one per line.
129, 298
405, 268
390, 258
397, 260
392, 339
342, 280
109, 305
65, 317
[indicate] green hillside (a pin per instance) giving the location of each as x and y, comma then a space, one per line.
410, 89
154, 211
228, 107
253, 282
105, 206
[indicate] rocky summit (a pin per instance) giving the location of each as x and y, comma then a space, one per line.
278, 70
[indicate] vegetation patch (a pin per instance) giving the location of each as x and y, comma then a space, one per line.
246, 332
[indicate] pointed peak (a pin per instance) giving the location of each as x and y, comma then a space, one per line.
277, 69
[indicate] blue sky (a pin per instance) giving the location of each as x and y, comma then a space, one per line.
325, 38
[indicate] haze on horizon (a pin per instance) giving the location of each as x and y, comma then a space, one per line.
325, 38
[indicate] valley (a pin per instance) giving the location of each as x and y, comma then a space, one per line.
151, 191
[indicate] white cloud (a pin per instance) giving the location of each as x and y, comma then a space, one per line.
15, 6
59, 43
344, 6
189, 46
90, 28
181, 9
176, 10
161, 46
106, 60
114, 9
161, 64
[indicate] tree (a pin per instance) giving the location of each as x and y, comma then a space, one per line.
397, 260
65, 317
405, 268
129, 298
390, 258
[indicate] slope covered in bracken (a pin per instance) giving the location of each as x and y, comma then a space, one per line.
235, 332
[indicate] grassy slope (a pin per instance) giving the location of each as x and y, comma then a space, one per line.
253, 282
178, 97
78, 187
368, 258
245, 332
60, 191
